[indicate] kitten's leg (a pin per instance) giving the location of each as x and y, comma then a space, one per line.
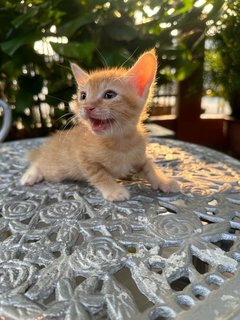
157, 179
31, 176
105, 183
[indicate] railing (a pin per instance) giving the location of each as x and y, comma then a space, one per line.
164, 100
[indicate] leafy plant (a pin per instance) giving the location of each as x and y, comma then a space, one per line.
223, 63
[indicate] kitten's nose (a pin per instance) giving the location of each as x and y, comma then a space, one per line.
88, 109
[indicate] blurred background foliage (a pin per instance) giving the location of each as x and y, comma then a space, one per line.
38, 38
222, 59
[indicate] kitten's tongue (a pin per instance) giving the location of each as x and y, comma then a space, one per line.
99, 125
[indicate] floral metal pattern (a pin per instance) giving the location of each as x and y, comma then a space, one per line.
65, 253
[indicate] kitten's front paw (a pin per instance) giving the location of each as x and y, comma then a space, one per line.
118, 193
168, 185
31, 176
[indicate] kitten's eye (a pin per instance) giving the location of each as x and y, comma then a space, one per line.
109, 94
83, 95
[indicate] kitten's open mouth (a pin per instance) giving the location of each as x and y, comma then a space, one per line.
99, 125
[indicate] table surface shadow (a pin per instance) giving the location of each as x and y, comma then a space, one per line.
65, 253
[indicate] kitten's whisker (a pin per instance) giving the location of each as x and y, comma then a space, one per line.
118, 126
64, 115
129, 57
110, 125
56, 98
66, 124
68, 133
103, 60
120, 116
119, 120
68, 121
63, 67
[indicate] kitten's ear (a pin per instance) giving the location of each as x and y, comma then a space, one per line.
143, 72
80, 75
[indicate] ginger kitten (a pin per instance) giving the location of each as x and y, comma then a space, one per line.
110, 141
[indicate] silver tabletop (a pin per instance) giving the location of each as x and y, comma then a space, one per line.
65, 253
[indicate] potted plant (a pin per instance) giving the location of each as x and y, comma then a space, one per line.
224, 66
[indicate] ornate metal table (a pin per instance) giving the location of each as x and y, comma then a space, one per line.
65, 253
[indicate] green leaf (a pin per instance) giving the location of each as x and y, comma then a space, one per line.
69, 28
184, 72
12, 45
75, 50
187, 5
17, 22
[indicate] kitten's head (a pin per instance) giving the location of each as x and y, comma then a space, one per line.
111, 101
